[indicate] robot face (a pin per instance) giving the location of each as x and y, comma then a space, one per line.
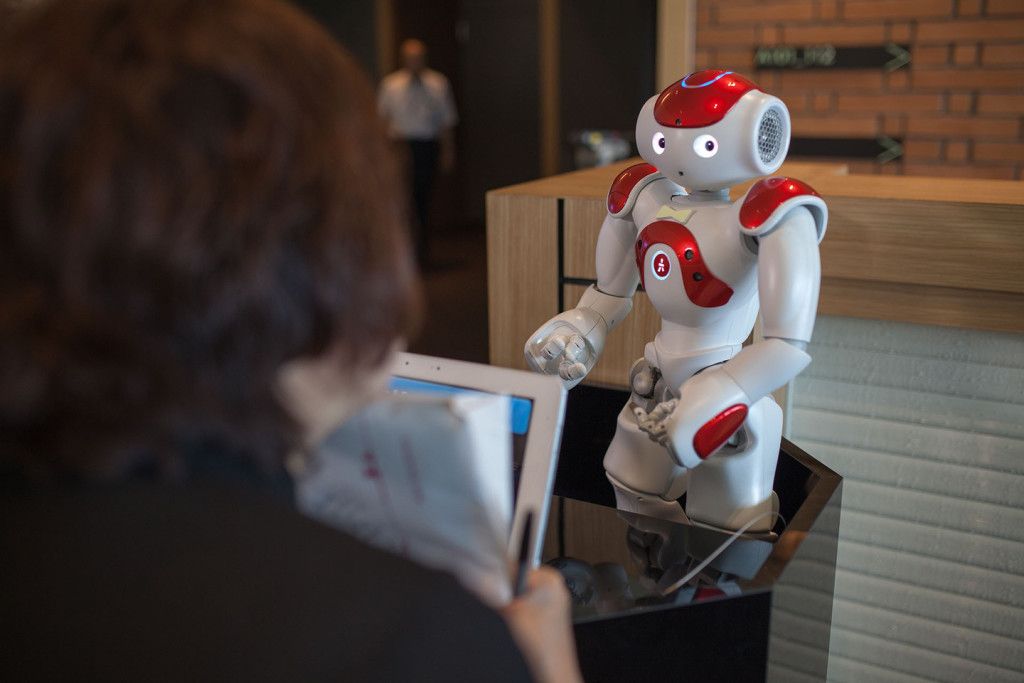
713, 130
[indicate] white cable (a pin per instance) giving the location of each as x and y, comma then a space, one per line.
718, 551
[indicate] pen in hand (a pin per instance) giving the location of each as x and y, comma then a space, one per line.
523, 568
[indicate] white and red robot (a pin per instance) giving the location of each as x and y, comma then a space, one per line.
701, 418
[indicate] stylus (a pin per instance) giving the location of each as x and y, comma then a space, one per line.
524, 555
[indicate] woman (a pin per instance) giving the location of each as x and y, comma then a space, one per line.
196, 201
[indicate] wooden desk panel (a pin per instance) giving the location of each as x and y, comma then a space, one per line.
938, 251
933, 243
522, 272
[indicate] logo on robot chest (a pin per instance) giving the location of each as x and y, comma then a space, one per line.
670, 238
661, 266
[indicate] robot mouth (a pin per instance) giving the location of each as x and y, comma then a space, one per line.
681, 173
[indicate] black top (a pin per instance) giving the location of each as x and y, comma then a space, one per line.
150, 581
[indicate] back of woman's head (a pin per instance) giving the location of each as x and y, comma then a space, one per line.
192, 193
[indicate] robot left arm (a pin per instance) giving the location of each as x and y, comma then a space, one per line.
570, 343
713, 404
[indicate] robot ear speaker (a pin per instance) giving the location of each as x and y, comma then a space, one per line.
772, 135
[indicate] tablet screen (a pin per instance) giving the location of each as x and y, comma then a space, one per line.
522, 411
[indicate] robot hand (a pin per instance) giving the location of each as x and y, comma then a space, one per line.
654, 423
567, 345
711, 407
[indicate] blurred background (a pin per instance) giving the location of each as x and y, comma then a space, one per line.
532, 78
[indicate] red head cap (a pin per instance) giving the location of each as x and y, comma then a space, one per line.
700, 99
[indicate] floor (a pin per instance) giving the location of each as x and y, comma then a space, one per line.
455, 280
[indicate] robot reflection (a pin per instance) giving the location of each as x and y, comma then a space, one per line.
701, 419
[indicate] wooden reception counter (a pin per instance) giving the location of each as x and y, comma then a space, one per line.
938, 251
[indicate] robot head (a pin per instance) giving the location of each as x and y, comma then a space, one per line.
713, 129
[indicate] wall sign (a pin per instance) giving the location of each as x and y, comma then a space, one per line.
887, 57
882, 149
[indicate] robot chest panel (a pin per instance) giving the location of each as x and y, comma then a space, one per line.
696, 267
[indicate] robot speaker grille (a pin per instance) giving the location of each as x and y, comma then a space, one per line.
769, 135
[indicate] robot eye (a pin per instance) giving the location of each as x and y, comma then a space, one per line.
658, 143
705, 146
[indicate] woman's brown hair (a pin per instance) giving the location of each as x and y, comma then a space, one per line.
192, 193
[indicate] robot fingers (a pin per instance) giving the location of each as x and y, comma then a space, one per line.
571, 370
645, 423
575, 347
663, 410
554, 348
654, 422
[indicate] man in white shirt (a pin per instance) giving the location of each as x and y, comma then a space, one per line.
417, 104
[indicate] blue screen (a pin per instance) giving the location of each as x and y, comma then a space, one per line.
521, 407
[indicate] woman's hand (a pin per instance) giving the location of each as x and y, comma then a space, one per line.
541, 624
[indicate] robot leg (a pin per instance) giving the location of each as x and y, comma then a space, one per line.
645, 478
734, 484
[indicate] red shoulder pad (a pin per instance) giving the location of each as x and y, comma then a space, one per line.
767, 195
621, 193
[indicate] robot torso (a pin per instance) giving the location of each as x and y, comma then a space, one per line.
697, 258
696, 266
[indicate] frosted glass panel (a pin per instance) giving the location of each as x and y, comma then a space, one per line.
927, 426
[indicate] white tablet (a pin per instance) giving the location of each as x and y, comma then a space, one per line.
538, 409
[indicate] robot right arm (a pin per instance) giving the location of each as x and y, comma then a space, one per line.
570, 344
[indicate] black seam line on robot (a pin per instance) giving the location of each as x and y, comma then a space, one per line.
560, 223
561, 254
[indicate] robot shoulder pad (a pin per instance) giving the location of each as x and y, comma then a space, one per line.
770, 199
627, 186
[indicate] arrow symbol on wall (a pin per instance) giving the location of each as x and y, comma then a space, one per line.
900, 57
891, 149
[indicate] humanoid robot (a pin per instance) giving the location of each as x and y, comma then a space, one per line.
701, 419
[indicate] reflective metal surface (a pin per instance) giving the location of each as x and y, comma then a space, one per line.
619, 562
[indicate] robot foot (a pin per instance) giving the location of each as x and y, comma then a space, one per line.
647, 504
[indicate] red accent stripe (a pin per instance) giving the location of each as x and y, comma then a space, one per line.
767, 195
624, 183
701, 285
718, 429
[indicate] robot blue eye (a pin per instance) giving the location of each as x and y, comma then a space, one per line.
661, 143
709, 145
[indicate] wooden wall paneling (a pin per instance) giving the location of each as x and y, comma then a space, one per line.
522, 271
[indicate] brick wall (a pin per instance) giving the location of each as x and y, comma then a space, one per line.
959, 105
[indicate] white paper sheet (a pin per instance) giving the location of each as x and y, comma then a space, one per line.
426, 477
